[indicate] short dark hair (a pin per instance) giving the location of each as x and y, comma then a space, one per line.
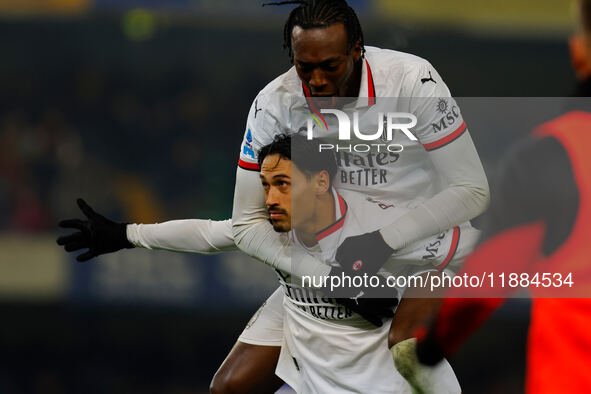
304, 153
322, 13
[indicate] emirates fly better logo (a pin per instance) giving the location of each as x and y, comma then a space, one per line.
387, 123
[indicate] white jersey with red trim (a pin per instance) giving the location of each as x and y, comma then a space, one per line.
327, 348
407, 83
360, 214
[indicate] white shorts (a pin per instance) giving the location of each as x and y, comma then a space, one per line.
321, 356
324, 357
265, 327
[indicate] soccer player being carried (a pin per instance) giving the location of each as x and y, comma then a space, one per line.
437, 174
327, 346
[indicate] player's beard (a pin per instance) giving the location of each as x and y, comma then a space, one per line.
280, 226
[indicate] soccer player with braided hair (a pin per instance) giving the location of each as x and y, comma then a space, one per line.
439, 173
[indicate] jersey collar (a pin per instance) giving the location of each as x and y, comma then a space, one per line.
329, 237
341, 209
367, 90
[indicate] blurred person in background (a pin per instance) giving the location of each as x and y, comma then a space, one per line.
580, 48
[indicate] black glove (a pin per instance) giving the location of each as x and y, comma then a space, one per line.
429, 352
373, 304
364, 253
374, 310
97, 234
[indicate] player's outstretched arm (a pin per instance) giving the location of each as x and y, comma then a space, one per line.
101, 235
202, 236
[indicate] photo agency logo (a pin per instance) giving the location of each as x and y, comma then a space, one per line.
387, 124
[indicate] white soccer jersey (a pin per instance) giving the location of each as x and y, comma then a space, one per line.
401, 82
360, 214
448, 185
327, 347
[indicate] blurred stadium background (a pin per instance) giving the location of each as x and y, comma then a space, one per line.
139, 107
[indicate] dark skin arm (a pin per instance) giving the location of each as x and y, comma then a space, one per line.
248, 369
417, 309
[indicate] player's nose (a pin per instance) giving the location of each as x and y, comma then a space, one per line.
272, 198
318, 81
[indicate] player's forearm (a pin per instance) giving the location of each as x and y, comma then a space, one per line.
254, 235
457, 320
191, 235
465, 197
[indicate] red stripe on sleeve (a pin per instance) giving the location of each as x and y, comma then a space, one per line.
455, 240
446, 140
248, 166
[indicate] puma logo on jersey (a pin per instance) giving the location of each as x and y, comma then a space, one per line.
256, 110
425, 80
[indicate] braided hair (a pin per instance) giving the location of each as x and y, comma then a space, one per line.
322, 13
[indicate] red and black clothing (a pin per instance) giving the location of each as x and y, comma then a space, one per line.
538, 223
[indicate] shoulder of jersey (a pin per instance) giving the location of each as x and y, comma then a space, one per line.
270, 110
390, 67
287, 84
380, 58
369, 213
359, 206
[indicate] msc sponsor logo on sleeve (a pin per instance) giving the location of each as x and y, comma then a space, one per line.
432, 248
450, 115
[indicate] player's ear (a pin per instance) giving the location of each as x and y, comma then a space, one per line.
322, 182
356, 51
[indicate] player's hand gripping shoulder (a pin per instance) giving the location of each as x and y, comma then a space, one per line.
363, 254
359, 255
97, 234
374, 310
374, 304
